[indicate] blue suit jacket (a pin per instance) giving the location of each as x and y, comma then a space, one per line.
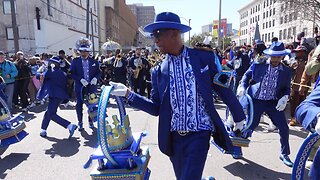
77, 71
256, 73
54, 85
307, 111
204, 68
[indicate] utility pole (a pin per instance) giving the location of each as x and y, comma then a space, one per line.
92, 34
14, 26
219, 24
87, 18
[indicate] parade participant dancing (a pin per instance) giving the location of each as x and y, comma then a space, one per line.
182, 97
269, 86
55, 86
308, 115
85, 72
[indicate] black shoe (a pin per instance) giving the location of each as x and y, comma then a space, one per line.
91, 125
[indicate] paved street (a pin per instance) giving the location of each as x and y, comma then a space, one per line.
56, 157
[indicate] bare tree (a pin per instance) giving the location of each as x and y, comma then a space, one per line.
306, 9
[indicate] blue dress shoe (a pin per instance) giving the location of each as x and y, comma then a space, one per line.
80, 127
237, 154
43, 134
286, 160
71, 130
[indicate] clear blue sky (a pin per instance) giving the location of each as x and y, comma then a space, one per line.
201, 12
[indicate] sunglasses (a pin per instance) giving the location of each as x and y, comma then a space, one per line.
158, 33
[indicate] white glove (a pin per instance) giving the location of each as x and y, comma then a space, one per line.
94, 81
239, 125
282, 103
42, 69
84, 82
118, 89
52, 66
241, 91
317, 128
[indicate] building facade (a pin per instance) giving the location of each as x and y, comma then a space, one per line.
274, 20
117, 23
46, 26
145, 15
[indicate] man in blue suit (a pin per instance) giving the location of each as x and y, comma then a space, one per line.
308, 115
85, 72
182, 97
268, 84
55, 87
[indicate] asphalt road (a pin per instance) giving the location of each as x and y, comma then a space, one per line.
56, 157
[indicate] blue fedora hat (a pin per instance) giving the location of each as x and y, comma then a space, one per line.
167, 20
277, 49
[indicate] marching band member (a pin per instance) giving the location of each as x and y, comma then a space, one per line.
85, 72
55, 86
269, 87
181, 95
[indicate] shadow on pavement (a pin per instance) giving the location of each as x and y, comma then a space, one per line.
63, 147
28, 116
251, 170
91, 139
11, 161
39, 108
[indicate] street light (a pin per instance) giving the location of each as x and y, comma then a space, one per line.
188, 20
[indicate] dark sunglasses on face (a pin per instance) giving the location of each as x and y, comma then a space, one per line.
158, 33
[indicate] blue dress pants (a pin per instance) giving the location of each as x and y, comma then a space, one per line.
189, 154
277, 117
51, 114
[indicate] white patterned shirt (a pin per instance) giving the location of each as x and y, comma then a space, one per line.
267, 90
188, 107
85, 65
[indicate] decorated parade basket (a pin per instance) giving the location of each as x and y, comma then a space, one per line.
119, 154
91, 99
302, 156
11, 127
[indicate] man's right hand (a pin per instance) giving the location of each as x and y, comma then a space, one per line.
84, 82
241, 91
119, 89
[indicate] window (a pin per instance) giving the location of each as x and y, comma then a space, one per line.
263, 26
290, 17
282, 8
274, 11
95, 25
270, 12
267, 3
269, 38
285, 34
280, 35
269, 23
266, 24
265, 37
295, 15
270, 2
250, 21
267, 14
262, 37
9, 33
49, 8
264, 15
285, 18
281, 20
251, 11
305, 30
94, 5
289, 33
272, 34
7, 6
259, 7
256, 8
264, 4
294, 30
258, 17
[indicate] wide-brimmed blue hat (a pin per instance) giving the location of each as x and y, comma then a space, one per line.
167, 20
277, 49
55, 59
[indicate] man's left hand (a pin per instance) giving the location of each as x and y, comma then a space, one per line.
94, 81
282, 103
